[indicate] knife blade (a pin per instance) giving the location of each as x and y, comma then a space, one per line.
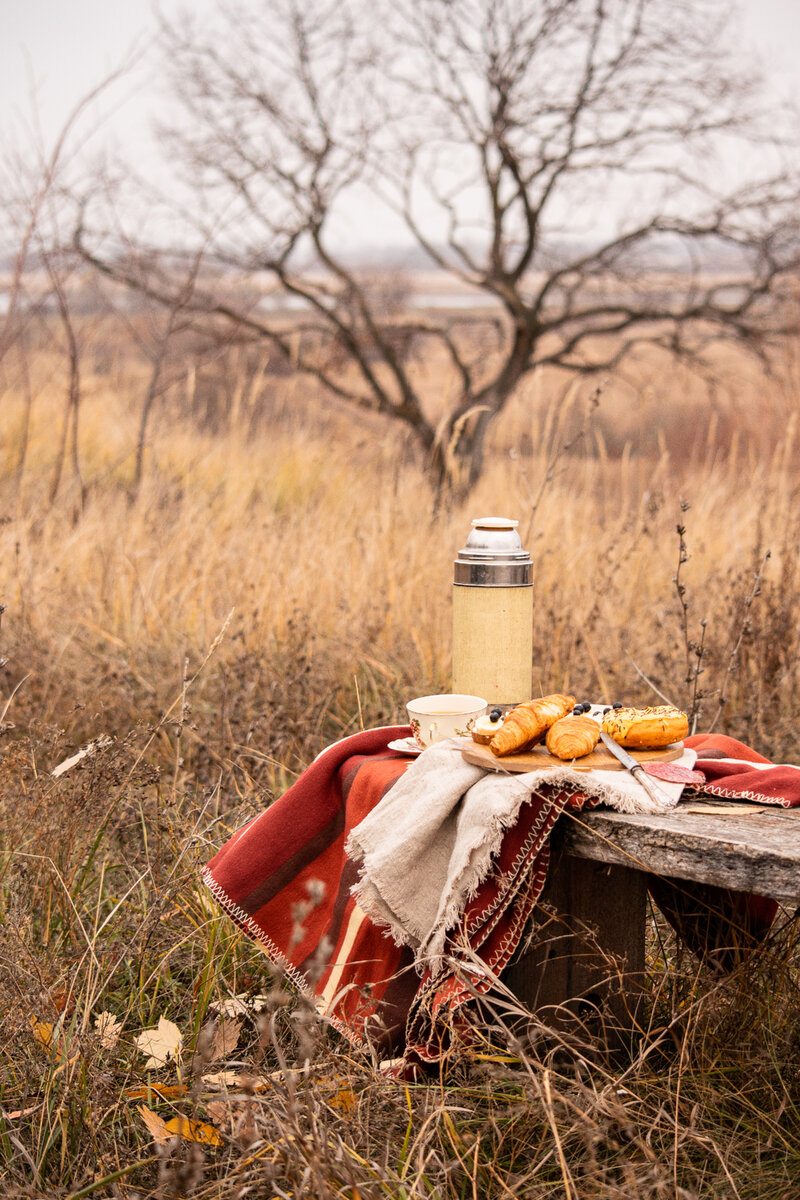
637, 771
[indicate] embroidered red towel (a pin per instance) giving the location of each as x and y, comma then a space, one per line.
285, 878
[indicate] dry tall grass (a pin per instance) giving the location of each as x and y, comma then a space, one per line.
275, 584
323, 541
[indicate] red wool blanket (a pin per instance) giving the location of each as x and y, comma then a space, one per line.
286, 880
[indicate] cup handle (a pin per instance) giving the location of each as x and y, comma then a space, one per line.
432, 728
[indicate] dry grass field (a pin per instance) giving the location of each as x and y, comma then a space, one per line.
281, 578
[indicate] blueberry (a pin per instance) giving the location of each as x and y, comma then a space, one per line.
585, 706
577, 710
495, 714
617, 704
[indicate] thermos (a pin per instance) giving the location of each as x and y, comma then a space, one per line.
493, 614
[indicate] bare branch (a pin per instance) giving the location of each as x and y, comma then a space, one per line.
574, 160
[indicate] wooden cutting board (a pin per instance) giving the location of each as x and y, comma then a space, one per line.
539, 757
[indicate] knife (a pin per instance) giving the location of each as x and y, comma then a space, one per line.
637, 771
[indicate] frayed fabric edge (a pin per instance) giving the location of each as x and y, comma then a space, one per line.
479, 863
429, 952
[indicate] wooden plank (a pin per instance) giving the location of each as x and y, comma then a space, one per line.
539, 758
589, 943
750, 853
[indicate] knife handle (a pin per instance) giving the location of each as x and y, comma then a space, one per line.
653, 790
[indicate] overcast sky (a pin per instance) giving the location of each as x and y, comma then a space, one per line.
61, 48
52, 52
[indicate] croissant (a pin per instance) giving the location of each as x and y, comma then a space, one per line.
646, 728
526, 723
572, 737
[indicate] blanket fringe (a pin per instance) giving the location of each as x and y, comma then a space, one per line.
387, 894
368, 900
481, 855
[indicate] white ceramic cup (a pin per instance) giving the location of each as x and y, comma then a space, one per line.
434, 718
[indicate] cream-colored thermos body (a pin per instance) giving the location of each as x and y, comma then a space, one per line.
493, 614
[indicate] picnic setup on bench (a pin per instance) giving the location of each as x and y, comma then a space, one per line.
502, 842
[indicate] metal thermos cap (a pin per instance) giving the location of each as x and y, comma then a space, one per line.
493, 556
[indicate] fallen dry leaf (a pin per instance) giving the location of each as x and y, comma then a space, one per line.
108, 1029
722, 808
236, 1006
237, 1119
226, 1038
51, 1037
195, 1131
345, 1100
99, 743
43, 1032
156, 1125
338, 1092
165, 1091
162, 1042
222, 1079
235, 1079
62, 1000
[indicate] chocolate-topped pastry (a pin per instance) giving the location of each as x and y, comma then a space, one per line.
646, 728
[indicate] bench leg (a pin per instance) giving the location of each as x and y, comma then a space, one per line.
588, 954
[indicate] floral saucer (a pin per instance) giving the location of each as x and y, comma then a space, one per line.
405, 746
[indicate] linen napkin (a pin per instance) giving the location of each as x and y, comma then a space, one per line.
425, 849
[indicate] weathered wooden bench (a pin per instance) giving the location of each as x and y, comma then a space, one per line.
597, 886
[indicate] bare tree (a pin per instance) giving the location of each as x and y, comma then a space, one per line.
158, 355
34, 186
58, 276
578, 163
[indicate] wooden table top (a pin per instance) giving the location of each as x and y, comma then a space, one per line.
749, 848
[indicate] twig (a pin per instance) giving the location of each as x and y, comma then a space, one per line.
647, 680
358, 702
11, 697
558, 451
180, 724
694, 650
733, 657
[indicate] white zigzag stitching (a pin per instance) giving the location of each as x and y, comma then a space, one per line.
735, 794
246, 921
524, 851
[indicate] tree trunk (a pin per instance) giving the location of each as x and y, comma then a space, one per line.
456, 458
149, 399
